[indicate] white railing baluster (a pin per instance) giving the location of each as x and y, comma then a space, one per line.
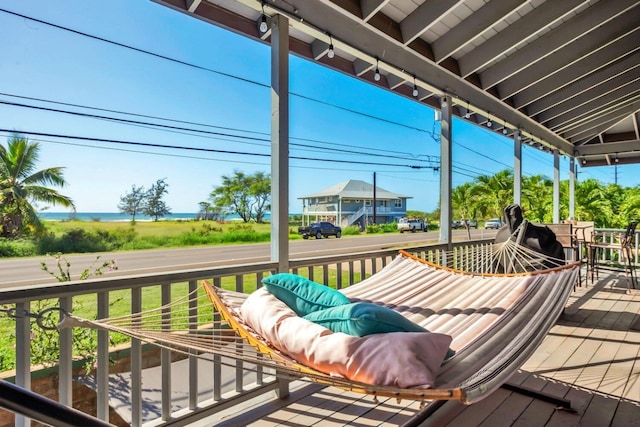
102, 370
136, 364
23, 355
165, 354
65, 368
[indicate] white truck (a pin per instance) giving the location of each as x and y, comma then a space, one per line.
412, 225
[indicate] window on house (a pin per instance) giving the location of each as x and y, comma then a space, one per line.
367, 202
398, 203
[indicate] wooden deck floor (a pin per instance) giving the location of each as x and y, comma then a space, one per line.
591, 357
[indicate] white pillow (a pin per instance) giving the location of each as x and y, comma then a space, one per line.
398, 359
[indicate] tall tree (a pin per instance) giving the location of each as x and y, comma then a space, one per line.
246, 195
22, 186
260, 192
156, 207
494, 192
134, 202
537, 198
462, 201
592, 203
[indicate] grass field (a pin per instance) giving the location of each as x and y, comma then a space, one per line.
167, 228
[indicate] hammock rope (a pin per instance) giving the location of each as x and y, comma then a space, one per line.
496, 319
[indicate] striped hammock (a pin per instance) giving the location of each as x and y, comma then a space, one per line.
496, 320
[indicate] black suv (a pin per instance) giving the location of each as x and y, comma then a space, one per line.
320, 230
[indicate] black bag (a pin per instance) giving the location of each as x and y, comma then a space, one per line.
539, 238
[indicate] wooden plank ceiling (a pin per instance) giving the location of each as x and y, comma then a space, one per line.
565, 73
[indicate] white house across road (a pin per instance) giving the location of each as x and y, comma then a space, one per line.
354, 202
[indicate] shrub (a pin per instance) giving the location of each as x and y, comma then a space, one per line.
390, 227
79, 240
374, 229
352, 230
17, 248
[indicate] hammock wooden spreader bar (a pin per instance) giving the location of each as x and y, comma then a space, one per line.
496, 322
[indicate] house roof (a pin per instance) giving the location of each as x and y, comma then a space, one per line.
355, 189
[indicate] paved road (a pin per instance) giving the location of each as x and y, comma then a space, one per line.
18, 272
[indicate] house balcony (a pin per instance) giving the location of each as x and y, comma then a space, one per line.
591, 357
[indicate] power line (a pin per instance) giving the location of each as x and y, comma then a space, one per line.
160, 56
179, 128
209, 150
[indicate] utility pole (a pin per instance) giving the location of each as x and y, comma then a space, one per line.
375, 202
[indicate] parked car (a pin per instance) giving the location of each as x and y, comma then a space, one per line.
412, 225
471, 223
493, 223
320, 230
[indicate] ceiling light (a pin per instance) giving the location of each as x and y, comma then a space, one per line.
468, 113
489, 123
504, 129
415, 87
331, 53
263, 22
376, 76
443, 103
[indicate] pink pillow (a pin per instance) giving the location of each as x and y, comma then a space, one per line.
398, 359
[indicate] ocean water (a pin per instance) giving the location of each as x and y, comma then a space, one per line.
118, 217
105, 216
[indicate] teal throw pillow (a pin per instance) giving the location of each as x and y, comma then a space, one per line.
303, 295
362, 318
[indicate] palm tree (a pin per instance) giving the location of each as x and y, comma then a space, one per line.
537, 198
494, 193
592, 203
462, 200
21, 185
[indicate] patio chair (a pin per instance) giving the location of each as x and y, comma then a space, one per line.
583, 236
621, 244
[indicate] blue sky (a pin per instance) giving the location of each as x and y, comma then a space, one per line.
219, 85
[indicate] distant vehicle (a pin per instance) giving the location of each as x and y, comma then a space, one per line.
471, 223
412, 225
493, 223
320, 230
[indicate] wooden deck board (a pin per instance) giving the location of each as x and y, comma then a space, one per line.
590, 357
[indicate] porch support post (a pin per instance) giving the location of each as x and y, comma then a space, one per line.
280, 142
572, 187
517, 168
445, 171
556, 186
280, 153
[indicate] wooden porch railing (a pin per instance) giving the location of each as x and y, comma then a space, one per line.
343, 270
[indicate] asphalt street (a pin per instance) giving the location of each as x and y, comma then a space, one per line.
24, 272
